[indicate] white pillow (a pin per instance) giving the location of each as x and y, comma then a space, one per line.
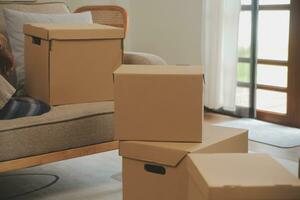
6, 91
15, 20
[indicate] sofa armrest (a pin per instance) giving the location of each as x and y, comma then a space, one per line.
138, 58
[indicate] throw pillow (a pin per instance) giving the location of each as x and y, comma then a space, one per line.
15, 20
6, 92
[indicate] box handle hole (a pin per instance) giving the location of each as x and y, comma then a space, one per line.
36, 40
155, 169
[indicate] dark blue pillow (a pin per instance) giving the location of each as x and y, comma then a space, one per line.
23, 107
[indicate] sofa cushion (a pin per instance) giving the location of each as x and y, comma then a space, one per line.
138, 58
64, 127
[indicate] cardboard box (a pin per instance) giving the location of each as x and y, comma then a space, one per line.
159, 103
157, 170
68, 64
239, 177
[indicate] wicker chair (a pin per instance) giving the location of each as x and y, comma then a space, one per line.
107, 15
118, 17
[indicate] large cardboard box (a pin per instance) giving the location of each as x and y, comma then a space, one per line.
67, 64
239, 177
157, 170
159, 103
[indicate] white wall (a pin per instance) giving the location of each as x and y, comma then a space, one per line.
168, 28
73, 4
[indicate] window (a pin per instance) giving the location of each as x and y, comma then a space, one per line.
263, 56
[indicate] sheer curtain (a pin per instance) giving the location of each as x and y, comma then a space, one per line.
219, 56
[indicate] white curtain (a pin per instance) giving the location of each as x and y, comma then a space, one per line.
219, 56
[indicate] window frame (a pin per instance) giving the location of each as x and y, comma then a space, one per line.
254, 61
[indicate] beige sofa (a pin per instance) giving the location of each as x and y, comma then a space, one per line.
66, 131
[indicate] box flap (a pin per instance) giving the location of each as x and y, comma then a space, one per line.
159, 70
227, 175
155, 152
170, 154
73, 32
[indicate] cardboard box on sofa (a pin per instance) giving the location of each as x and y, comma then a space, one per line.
239, 177
159, 103
68, 64
158, 170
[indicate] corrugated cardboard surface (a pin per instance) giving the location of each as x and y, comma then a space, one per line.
240, 177
159, 70
73, 32
37, 69
138, 183
70, 71
81, 71
215, 139
159, 103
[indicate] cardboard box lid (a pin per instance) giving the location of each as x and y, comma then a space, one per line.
72, 32
242, 176
158, 70
171, 154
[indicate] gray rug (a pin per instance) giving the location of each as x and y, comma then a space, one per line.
96, 177
268, 133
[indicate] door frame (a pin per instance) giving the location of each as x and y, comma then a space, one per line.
286, 119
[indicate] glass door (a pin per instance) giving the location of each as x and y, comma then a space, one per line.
263, 59
272, 64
